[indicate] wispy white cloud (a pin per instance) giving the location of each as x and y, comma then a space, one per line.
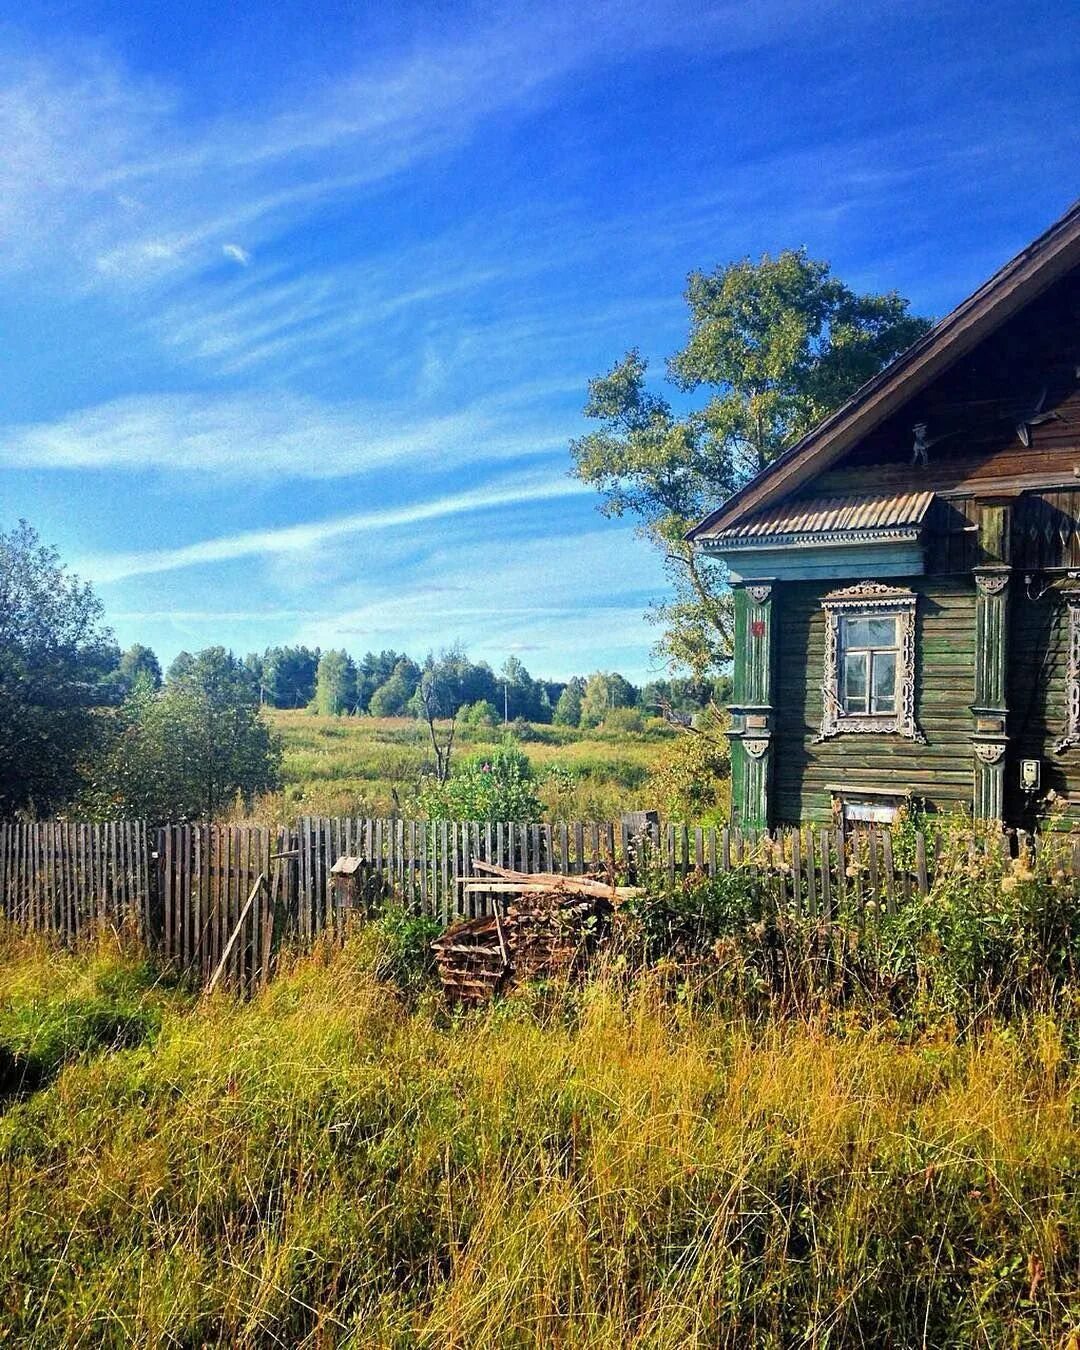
506, 492
277, 434
237, 254
542, 606
116, 174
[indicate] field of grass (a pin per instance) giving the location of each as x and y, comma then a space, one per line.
355, 765
335, 1163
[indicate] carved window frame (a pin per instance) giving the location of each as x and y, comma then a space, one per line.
870, 599
1072, 678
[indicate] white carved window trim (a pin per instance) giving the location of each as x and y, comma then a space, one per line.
1072, 679
871, 599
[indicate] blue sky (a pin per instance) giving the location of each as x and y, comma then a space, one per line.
298, 302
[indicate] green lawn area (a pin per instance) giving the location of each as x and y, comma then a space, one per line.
369, 766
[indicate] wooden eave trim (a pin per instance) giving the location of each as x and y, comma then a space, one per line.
800, 539
1020, 281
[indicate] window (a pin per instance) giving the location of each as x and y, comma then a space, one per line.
869, 683
869, 651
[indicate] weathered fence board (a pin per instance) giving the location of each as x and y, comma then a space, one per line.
185, 888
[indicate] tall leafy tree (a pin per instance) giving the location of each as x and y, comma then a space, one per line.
54, 653
374, 670
180, 667
289, 675
137, 664
603, 692
568, 708
391, 699
774, 346
186, 752
335, 684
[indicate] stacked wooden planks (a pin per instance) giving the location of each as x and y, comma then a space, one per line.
551, 922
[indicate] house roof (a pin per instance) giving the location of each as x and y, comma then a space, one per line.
827, 515
1026, 276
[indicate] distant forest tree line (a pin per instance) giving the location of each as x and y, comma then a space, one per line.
89, 728
389, 684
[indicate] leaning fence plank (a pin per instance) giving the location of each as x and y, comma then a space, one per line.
811, 874
234, 935
920, 863
826, 875
890, 872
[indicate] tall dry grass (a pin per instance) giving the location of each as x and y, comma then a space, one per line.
332, 1164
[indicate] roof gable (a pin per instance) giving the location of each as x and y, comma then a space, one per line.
1015, 285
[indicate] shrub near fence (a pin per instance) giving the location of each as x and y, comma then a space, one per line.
215, 900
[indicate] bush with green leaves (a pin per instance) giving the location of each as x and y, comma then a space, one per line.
187, 751
481, 715
495, 785
402, 947
994, 936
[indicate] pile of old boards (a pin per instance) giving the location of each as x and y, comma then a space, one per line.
549, 926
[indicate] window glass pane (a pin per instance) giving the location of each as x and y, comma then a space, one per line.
884, 691
864, 632
853, 695
882, 632
856, 633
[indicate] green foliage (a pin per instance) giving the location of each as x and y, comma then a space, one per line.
138, 664
186, 752
41, 1030
335, 684
993, 937
777, 345
391, 699
480, 715
402, 952
568, 708
780, 344
56, 661
497, 785
373, 670
603, 692
288, 676
690, 777
624, 722
683, 919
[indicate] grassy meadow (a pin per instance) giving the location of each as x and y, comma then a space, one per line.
338, 1162
369, 766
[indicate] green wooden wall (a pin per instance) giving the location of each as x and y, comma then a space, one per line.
939, 771
1038, 660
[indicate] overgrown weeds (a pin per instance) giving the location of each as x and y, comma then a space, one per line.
602, 1165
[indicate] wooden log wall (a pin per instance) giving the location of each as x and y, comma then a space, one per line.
217, 901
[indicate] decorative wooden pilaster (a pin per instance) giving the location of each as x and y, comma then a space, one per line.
990, 708
752, 711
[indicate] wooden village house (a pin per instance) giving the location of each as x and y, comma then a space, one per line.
907, 576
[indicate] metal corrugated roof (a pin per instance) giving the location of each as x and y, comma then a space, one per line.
825, 515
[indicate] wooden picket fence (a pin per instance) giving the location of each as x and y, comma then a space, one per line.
216, 901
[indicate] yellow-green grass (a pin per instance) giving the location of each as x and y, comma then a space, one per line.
370, 766
331, 1165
